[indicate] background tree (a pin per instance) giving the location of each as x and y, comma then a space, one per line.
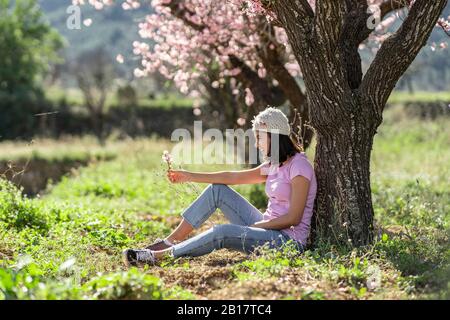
246, 49
28, 46
95, 74
211, 48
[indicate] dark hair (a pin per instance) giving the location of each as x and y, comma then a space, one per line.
287, 147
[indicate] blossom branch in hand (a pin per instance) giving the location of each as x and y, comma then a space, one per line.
167, 157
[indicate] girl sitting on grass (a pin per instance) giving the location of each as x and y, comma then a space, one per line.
290, 185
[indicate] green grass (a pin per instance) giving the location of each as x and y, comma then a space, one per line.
67, 244
410, 172
74, 97
401, 97
67, 148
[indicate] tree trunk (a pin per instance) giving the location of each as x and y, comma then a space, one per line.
346, 107
343, 211
97, 123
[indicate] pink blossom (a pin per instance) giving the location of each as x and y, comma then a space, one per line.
87, 22
241, 121
167, 157
119, 58
249, 98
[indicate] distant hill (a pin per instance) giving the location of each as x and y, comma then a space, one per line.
115, 29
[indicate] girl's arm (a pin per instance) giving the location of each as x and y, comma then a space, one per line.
249, 176
299, 194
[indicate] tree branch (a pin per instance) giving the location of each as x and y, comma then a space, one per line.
264, 94
356, 30
355, 21
445, 26
287, 82
271, 56
295, 10
385, 9
182, 13
391, 6
301, 7
398, 51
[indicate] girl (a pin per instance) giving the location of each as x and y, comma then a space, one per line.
290, 186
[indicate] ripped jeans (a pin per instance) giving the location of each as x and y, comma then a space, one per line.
237, 235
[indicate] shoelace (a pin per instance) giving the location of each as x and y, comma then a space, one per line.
167, 242
145, 256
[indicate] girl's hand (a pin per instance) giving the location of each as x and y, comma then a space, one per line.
178, 176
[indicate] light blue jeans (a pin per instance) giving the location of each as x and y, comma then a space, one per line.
237, 235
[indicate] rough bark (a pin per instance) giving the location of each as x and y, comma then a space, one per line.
343, 208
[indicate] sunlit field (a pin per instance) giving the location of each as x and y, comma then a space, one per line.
66, 242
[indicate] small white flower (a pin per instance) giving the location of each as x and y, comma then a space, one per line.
67, 265
241, 121
120, 58
87, 22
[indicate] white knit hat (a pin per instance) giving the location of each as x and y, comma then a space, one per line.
272, 120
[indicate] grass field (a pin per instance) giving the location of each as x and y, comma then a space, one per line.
66, 244
74, 97
70, 148
401, 97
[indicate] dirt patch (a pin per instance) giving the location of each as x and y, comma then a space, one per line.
200, 281
34, 176
201, 275
395, 231
212, 277
256, 289
33, 173
6, 255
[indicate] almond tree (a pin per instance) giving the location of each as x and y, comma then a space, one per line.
346, 105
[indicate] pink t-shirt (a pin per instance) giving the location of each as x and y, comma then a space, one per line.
278, 189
